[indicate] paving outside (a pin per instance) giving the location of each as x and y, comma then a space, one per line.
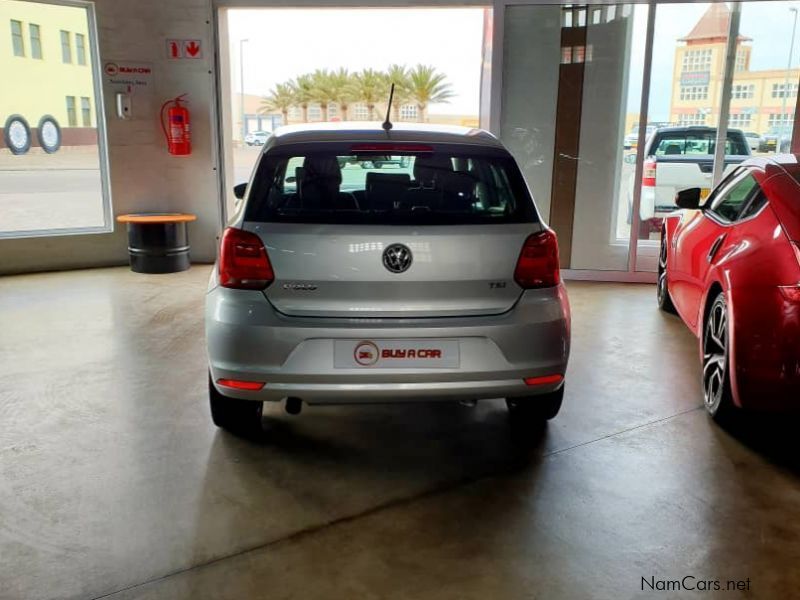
50, 191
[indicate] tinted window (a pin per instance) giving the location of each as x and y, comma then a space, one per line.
445, 186
730, 202
704, 142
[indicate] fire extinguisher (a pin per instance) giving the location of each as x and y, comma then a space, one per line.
177, 127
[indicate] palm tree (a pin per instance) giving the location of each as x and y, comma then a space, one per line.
426, 86
341, 87
281, 98
398, 75
303, 88
323, 91
369, 86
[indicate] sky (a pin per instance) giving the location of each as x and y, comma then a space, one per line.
284, 43
451, 40
769, 24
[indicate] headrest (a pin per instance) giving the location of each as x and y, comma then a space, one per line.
387, 178
428, 169
322, 169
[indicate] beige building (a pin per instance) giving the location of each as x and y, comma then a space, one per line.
760, 100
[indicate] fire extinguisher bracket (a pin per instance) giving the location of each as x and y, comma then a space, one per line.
158, 242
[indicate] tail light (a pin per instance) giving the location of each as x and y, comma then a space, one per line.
537, 266
238, 384
792, 292
649, 173
243, 261
543, 380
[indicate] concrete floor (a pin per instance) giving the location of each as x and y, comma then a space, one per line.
114, 483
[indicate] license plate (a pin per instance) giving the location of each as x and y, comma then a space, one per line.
396, 354
704, 193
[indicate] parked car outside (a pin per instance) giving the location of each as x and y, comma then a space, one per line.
678, 158
777, 140
433, 281
257, 138
631, 140
730, 267
754, 140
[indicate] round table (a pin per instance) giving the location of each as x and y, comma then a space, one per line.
158, 242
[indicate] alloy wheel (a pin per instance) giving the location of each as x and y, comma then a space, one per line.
715, 355
661, 285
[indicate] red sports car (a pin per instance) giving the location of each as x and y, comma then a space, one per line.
730, 267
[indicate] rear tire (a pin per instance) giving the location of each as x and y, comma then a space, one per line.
662, 290
535, 409
717, 394
242, 417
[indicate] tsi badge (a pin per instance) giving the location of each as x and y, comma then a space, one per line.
397, 258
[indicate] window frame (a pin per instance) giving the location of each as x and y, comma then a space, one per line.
80, 49
36, 49
18, 52
93, 57
65, 38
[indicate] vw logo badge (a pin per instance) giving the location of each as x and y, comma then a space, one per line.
397, 258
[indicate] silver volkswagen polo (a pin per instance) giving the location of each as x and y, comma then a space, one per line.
373, 266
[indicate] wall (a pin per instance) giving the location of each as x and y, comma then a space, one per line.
144, 177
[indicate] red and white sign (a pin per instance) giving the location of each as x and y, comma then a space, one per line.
127, 74
183, 48
350, 354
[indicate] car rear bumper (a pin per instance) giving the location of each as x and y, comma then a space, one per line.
766, 350
248, 340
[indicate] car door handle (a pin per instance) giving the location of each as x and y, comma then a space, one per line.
715, 247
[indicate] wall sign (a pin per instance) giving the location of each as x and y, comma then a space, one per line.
128, 74
183, 48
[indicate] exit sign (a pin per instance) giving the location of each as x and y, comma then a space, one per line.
184, 48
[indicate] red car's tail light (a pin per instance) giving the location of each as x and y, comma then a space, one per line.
544, 380
251, 386
537, 266
243, 261
649, 173
790, 292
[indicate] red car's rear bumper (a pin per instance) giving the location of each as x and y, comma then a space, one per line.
765, 350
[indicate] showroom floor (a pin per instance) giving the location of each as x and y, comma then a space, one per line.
114, 483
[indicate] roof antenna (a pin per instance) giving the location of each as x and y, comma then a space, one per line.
387, 124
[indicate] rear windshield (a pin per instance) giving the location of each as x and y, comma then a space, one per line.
423, 186
689, 143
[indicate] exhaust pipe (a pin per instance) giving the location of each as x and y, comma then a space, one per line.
293, 406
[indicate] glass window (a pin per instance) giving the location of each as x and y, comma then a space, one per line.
754, 206
730, 202
80, 48
66, 47
337, 186
55, 181
16, 38
698, 143
86, 112
72, 118
784, 90
36, 40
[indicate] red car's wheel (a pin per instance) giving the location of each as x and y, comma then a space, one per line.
716, 364
662, 291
